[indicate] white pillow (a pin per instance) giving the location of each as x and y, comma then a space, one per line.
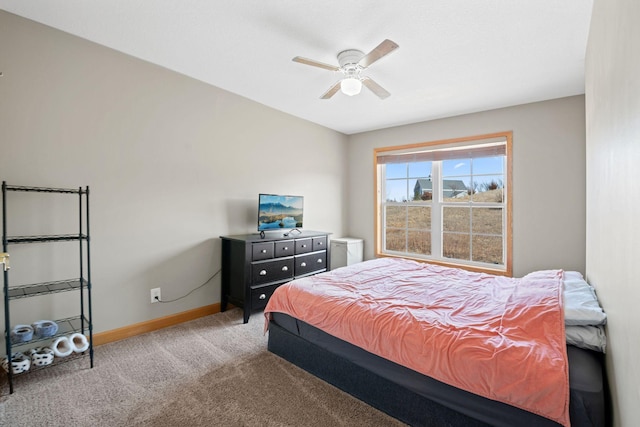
589, 337
581, 305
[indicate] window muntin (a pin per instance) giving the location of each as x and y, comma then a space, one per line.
447, 202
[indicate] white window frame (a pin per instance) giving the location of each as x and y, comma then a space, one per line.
437, 204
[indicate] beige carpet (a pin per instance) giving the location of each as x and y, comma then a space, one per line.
213, 371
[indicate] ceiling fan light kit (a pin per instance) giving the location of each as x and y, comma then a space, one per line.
352, 63
350, 86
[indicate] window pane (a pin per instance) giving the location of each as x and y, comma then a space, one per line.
487, 249
419, 170
456, 167
419, 242
423, 189
490, 188
456, 189
456, 219
396, 170
456, 246
488, 165
419, 217
491, 196
489, 182
396, 216
395, 240
396, 190
487, 221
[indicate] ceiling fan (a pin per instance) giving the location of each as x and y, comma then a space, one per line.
352, 63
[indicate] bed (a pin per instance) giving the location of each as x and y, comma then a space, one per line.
432, 345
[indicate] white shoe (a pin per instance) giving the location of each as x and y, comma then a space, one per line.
41, 356
79, 342
19, 363
62, 347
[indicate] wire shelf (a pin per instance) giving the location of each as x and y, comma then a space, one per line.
66, 326
57, 361
45, 238
45, 189
81, 323
25, 291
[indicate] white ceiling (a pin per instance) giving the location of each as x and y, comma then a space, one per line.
455, 56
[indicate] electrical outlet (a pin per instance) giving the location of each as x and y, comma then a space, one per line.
155, 295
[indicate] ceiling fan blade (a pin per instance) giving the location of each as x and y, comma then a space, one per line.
315, 63
384, 48
375, 88
332, 90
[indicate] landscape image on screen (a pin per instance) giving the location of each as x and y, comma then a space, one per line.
279, 212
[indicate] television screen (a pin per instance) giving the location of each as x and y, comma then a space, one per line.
276, 212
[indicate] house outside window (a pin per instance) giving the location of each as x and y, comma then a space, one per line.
447, 202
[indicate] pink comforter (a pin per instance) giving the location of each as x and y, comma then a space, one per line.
499, 337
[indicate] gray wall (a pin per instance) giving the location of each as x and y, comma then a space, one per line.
613, 202
548, 177
172, 164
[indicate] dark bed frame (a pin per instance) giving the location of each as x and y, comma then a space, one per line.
399, 400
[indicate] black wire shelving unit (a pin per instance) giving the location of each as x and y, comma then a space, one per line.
81, 323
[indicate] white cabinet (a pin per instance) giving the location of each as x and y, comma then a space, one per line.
346, 251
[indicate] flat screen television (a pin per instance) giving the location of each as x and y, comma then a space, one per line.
279, 212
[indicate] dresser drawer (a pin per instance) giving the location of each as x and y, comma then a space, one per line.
261, 251
271, 271
260, 295
304, 245
284, 248
306, 264
319, 243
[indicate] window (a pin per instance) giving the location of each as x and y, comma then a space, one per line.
447, 202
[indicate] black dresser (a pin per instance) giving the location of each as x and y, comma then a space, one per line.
254, 266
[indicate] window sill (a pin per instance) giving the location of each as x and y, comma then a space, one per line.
495, 271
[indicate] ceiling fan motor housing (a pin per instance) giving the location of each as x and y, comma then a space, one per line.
350, 58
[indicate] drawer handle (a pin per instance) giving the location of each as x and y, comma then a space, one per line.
264, 251
304, 246
286, 248
285, 268
263, 272
303, 264
319, 261
262, 296
320, 243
